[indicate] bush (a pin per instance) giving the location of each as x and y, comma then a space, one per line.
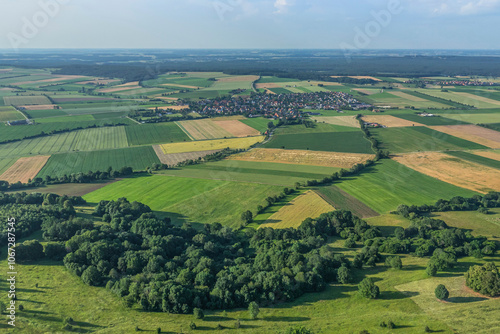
368, 289
394, 262
253, 309
237, 324
350, 243
21, 307
298, 330
158, 330
344, 275
192, 325
427, 329
91, 276
198, 313
431, 269
441, 292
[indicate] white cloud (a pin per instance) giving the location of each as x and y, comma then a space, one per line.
457, 7
281, 6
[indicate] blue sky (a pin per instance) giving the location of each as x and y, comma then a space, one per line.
330, 24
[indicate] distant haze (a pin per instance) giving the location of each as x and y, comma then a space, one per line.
328, 24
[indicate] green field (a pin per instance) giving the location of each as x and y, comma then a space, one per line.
22, 131
494, 126
388, 99
81, 140
476, 158
139, 158
352, 142
457, 98
426, 94
190, 199
26, 100
342, 200
431, 121
259, 123
389, 184
41, 114
10, 114
254, 172
476, 118
419, 138
318, 127
64, 119
280, 90
161, 133
5, 163
267, 79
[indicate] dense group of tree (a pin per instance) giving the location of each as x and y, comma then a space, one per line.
137, 67
33, 210
484, 279
162, 267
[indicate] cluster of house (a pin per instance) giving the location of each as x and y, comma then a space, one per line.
277, 105
453, 82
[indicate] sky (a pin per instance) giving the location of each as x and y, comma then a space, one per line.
254, 24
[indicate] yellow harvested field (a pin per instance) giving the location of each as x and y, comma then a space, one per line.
299, 157
203, 129
174, 158
248, 78
350, 121
237, 128
453, 170
167, 98
267, 85
473, 133
408, 96
307, 205
209, 145
270, 92
389, 121
478, 98
39, 107
495, 155
358, 77
24, 169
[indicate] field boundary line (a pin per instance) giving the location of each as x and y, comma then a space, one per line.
134, 120
184, 130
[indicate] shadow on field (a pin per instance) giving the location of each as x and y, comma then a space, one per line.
216, 318
394, 295
85, 324
461, 300
30, 301
286, 319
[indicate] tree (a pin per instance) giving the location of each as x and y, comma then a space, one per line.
394, 262
198, 313
253, 309
247, 217
270, 125
441, 292
91, 276
368, 289
431, 269
344, 275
